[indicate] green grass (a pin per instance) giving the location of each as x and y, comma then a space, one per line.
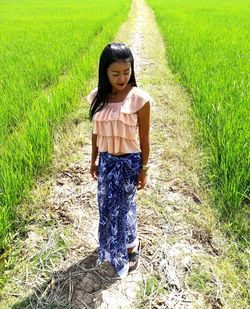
220, 281
152, 285
48, 52
208, 50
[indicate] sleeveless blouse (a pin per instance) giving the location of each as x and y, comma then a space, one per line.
116, 123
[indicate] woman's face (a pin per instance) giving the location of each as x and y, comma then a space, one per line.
119, 73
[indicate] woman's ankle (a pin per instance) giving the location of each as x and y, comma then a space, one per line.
130, 250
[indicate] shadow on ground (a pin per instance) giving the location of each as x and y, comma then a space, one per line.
80, 286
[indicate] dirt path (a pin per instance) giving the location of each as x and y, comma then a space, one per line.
62, 243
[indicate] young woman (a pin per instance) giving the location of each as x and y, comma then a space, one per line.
118, 108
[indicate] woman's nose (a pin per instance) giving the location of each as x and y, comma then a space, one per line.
122, 78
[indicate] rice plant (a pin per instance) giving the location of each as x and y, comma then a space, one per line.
208, 49
48, 52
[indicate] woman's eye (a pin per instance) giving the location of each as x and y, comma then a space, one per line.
118, 75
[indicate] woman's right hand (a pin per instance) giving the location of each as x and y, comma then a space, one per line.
93, 171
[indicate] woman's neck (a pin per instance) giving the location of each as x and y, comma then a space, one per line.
119, 95
116, 91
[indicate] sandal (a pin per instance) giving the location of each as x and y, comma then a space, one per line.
134, 257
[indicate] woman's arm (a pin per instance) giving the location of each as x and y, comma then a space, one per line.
94, 153
144, 129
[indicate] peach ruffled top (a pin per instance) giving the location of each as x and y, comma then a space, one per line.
116, 123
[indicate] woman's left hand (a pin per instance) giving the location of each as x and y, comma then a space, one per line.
141, 180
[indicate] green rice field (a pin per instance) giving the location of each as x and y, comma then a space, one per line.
48, 51
208, 48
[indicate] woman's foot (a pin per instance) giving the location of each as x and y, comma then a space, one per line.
133, 257
131, 250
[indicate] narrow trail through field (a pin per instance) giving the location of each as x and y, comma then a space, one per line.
166, 209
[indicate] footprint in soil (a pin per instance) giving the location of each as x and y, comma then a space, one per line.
80, 286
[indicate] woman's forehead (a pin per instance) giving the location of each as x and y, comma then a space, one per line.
121, 65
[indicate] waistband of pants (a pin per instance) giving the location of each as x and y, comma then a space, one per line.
121, 156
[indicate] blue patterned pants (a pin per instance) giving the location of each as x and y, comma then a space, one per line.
117, 176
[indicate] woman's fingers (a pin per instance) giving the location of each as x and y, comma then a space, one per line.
141, 186
138, 183
141, 182
93, 172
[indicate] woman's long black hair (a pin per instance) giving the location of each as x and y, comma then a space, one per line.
111, 53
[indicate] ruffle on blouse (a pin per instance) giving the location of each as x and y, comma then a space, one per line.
111, 113
115, 144
91, 95
114, 128
134, 101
